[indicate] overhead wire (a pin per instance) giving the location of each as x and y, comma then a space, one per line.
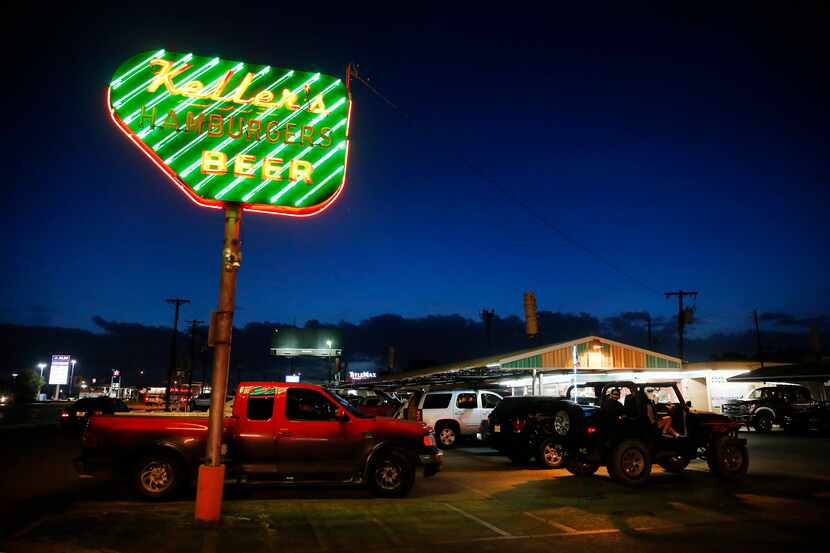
512, 197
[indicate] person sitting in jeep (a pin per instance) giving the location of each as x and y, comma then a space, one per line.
611, 405
663, 422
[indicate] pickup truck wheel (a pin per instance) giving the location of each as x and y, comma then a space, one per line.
581, 467
676, 464
391, 475
158, 476
551, 454
763, 423
446, 435
728, 458
630, 463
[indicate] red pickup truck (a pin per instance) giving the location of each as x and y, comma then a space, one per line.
289, 433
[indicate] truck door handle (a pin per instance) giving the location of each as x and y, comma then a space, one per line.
284, 432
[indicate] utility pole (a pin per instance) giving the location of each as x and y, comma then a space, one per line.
758, 337
172, 368
487, 317
193, 325
681, 318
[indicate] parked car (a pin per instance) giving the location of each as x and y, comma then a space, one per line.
452, 413
813, 417
277, 432
521, 428
768, 405
76, 416
626, 436
202, 402
378, 404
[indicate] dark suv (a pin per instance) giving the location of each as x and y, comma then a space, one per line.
768, 405
521, 428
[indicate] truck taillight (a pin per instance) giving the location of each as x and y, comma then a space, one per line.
419, 415
64, 415
591, 429
429, 440
519, 425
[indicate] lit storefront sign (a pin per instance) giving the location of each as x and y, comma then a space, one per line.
59, 370
274, 140
362, 375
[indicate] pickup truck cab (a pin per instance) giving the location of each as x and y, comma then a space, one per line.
287, 433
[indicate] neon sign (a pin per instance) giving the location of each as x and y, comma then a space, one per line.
274, 140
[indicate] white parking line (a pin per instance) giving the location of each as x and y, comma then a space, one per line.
484, 523
557, 525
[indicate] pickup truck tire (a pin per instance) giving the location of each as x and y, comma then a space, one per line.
391, 474
763, 423
728, 458
630, 463
446, 435
551, 454
158, 476
580, 467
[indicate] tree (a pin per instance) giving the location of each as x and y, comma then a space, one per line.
26, 386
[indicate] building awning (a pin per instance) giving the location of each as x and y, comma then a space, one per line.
801, 372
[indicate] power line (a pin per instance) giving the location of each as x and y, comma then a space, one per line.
353, 72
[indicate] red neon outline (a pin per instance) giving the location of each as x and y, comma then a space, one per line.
287, 211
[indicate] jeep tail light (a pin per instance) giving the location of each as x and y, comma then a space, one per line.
591, 429
419, 415
519, 425
429, 440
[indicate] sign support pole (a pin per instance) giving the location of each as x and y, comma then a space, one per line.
212, 472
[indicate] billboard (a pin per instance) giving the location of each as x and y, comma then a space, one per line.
59, 370
273, 139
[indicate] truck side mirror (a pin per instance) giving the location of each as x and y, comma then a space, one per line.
341, 416
688, 404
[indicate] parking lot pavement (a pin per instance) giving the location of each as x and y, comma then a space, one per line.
479, 498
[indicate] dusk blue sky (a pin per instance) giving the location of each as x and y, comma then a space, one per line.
688, 148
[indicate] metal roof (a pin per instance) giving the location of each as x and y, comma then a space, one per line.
482, 369
784, 373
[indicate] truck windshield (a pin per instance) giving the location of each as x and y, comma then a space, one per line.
347, 406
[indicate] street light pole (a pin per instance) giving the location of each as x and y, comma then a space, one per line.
40, 366
71, 375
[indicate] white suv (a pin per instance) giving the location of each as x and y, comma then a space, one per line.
455, 413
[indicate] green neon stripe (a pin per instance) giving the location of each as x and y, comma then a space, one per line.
315, 165
259, 163
228, 140
131, 72
316, 188
265, 183
164, 95
186, 58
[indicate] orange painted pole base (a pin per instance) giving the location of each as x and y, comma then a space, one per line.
209, 490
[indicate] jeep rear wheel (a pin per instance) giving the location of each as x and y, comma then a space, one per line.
446, 435
391, 474
763, 423
630, 463
551, 454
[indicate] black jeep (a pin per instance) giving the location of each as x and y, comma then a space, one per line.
649, 424
521, 428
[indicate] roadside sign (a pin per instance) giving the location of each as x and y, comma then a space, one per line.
272, 139
59, 370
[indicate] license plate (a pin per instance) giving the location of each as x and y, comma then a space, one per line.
496, 428
80, 413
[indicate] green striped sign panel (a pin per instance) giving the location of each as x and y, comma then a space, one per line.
272, 139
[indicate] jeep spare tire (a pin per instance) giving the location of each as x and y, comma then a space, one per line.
563, 423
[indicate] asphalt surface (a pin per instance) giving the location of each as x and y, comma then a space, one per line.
478, 500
